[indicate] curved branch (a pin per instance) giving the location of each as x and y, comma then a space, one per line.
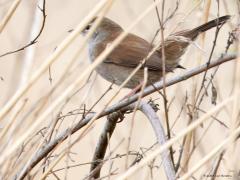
161, 138
123, 105
109, 127
43, 10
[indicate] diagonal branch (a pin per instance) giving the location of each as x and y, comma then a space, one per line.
123, 105
102, 144
159, 85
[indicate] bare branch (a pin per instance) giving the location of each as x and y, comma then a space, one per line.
103, 143
123, 105
43, 10
159, 132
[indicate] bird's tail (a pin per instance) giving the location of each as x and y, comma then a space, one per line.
192, 34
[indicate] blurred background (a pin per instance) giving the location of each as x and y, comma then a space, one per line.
62, 16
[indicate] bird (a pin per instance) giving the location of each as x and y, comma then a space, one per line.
120, 63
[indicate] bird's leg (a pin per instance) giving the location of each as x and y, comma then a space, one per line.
134, 91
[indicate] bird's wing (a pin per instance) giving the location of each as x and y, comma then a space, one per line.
131, 51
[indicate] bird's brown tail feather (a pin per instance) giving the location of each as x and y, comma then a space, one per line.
213, 23
192, 34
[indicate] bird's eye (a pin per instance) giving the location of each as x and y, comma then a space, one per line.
88, 27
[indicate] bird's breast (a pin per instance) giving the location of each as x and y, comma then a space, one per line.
96, 45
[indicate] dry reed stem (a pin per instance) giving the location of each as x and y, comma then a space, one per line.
59, 158
9, 14
27, 62
221, 147
232, 152
30, 51
97, 22
39, 72
205, 18
169, 143
37, 75
90, 118
65, 43
14, 115
62, 154
144, 83
161, 138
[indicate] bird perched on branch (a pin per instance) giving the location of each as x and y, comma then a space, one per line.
119, 64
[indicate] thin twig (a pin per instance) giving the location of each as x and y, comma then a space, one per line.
205, 73
43, 10
217, 166
134, 113
120, 105
165, 101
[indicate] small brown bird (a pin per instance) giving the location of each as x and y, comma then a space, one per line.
133, 49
